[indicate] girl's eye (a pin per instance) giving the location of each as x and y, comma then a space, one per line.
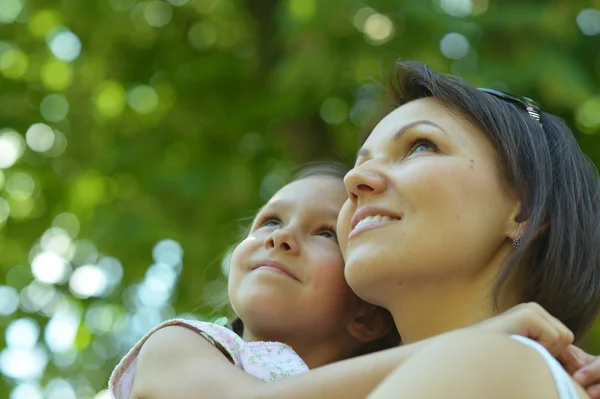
423, 145
270, 222
328, 233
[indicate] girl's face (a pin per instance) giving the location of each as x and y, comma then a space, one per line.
428, 204
288, 274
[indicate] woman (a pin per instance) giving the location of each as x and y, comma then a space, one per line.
456, 213
464, 202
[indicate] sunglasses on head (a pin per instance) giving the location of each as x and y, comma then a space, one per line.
532, 108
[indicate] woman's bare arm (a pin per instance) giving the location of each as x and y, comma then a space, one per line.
473, 365
176, 363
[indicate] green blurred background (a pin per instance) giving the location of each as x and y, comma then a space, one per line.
137, 136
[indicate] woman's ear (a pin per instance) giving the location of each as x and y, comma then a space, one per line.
517, 222
370, 323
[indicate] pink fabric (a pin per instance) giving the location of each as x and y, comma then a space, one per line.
268, 361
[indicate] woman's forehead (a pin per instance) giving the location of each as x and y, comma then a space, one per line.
428, 112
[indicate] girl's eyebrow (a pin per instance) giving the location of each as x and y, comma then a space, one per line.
276, 205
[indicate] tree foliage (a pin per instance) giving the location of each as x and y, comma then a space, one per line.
137, 136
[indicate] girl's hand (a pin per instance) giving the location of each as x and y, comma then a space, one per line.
532, 321
584, 368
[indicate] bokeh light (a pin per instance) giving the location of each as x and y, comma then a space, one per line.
12, 146
378, 28
158, 13
57, 241
13, 63
56, 75
27, 390
20, 186
68, 223
110, 99
23, 364
65, 45
62, 327
334, 110
50, 268
100, 318
39, 297
43, 21
588, 21
202, 35
10, 10
457, 8
59, 388
39, 137
104, 394
54, 108
454, 46
168, 252
88, 281
588, 115
9, 299
142, 99
22, 333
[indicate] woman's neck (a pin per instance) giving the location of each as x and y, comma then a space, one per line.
421, 311
426, 308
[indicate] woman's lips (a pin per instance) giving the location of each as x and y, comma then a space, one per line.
369, 226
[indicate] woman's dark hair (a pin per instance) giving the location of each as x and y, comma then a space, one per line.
336, 170
557, 184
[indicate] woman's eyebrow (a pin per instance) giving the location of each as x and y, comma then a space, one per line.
408, 126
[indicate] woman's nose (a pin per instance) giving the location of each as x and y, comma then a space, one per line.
361, 181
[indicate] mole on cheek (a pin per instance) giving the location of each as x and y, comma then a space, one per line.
472, 163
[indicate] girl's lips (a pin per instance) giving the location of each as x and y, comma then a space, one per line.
275, 268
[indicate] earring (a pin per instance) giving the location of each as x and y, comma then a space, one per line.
517, 242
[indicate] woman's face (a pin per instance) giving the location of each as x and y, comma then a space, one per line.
427, 203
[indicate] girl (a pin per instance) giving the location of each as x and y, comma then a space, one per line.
286, 283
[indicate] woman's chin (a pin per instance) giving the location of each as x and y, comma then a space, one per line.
363, 279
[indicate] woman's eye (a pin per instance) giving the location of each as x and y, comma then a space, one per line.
424, 145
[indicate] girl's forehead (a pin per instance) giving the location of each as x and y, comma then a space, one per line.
314, 186
310, 191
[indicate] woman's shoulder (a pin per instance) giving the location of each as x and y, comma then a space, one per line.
566, 387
